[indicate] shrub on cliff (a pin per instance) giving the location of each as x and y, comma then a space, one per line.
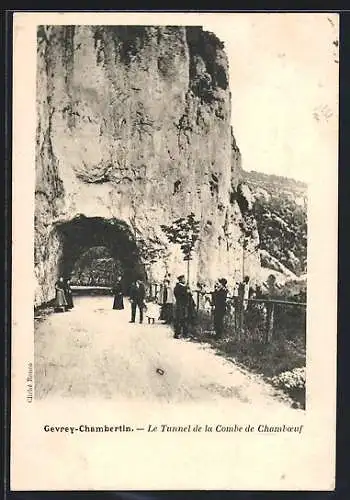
282, 226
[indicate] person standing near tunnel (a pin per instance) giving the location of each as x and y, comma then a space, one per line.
167, 302
69, 294
219, 305
61, 304
181, 295
118, 302
137, 298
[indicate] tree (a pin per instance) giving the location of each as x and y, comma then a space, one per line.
150, 252
184, 232
282, 225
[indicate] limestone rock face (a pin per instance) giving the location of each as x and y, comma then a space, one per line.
133, 125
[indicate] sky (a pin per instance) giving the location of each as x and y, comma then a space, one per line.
284, 84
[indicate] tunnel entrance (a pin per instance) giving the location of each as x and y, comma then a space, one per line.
97, 250
96, 267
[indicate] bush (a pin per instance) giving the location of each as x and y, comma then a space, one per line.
290, 380
293, 383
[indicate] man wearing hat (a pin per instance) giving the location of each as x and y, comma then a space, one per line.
219, 305
181, 309
137, 299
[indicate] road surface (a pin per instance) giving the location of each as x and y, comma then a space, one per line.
93, 351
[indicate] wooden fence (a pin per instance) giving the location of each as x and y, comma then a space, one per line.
238, 309
270, 306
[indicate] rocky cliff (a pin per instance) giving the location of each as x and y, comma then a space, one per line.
133, 130
279, 208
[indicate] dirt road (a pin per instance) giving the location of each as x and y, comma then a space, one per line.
93, 351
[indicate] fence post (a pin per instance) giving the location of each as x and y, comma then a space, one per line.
239, 316
270, 321
241, 319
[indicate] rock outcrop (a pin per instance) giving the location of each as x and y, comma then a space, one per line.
279, 206
134, 128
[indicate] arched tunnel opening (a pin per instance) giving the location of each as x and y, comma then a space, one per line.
96, 250
96, 266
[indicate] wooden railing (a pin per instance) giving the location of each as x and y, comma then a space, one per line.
270, 305
237, 308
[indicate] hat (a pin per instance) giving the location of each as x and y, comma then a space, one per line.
223, 281
180, 277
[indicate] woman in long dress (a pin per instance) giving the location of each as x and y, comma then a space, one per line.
60, 299
69, 295
118, 302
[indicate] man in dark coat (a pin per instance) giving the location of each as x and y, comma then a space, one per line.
137, 298
181, 309
219, 305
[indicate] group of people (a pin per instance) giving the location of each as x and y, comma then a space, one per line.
185, 308
217, 300
64, 296
175, 305
137, 295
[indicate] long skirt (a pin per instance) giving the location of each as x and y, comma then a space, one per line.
167, 313
118, 302
69, 300
60, 300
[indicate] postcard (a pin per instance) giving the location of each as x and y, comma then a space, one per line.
174, 279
